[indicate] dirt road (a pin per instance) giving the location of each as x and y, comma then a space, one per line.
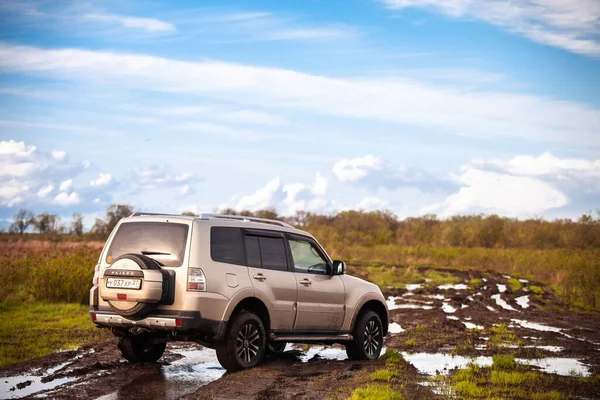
436, 328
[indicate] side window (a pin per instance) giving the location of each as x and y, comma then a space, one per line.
307, 258
226, 245
266, 252
253, 252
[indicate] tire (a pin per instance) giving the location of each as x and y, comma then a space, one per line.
368, 337
275, 348
136, 350
245, 343
138, 310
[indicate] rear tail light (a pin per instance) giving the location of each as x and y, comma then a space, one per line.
96, 273
196, 280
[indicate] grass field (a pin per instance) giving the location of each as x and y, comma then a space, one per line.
56, 276
29, 331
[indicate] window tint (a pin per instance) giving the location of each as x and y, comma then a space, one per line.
226, 245
307, 258
266, 252
253, 252
272, 251
156, 237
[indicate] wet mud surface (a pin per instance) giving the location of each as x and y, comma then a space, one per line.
436, 328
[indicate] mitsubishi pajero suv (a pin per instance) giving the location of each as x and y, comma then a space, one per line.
244, 286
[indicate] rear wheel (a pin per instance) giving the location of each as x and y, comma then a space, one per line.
245, 343
368, 338
138, 349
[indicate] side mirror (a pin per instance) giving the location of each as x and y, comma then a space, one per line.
339, 267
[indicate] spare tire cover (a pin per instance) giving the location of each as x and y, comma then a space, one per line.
151, 289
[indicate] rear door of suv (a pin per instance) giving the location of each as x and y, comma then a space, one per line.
269, 269
321, 296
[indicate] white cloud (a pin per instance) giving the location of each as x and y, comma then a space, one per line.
101, 180
352, 169
146, 24
14, 148
371, 203
66, 185
302, 197
263, 198
59, 154
184, 189
573, 25
455, 111
158, 176
547, 164
495, 193
45, 190
65, 199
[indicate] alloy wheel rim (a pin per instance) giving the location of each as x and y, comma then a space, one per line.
248, 343
372, 337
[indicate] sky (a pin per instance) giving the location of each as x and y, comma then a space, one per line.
419, 107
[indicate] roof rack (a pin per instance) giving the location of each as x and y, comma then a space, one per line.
141, 214
245, 218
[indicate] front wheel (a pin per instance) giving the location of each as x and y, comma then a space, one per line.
245, 343
368, 338
137, 349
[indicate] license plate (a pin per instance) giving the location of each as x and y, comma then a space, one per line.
123, 283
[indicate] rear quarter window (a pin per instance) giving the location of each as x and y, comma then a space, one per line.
151, 237
226, 245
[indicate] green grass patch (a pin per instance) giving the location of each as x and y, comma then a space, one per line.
500, 335
35, 330
384, 375
411, 343
537, 290
514, 284
469, 390
392, 357
376, 392
503, 361
511, 378
476, 282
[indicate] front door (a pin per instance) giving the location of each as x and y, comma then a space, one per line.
321, 296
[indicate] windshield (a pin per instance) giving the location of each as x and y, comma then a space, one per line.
163, 241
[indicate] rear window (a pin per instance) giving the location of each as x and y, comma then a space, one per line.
226, 245
163, 241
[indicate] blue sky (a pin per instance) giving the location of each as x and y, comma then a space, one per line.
416, 106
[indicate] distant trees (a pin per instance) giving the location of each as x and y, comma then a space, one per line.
22, 220
47, 223
360, 228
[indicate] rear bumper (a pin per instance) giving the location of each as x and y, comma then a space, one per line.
164, 320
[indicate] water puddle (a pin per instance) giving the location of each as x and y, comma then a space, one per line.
559, 366
395, 328
448, 309
458, 286
14, 387
393, 305
413, 286
535, 326
442, 364
471, 325
491, 308
523, 301
324, 353
196, 368
502, 303
436, 296
501, 288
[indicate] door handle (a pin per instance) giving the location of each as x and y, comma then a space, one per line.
260, 277
305, 281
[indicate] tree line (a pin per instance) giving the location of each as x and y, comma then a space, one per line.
352, 228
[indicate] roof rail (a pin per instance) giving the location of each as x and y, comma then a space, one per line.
141, 214
246, 218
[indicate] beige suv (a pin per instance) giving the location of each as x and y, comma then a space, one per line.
241, 285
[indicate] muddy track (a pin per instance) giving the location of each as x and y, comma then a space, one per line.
430, 324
